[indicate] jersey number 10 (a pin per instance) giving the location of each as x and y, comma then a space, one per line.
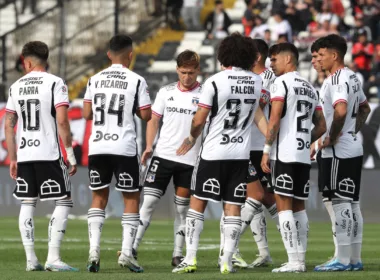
32, 106
100, 109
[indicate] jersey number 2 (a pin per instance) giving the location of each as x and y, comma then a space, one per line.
100, 102
30, 114
303, 106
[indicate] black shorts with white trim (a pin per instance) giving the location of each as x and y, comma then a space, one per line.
321, 187
217, 180
126, 169
161, 171
256, 173
291, 179
341, 177
48, 180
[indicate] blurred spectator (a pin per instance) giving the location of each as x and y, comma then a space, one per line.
371, 15
217, 22
260, 27
337, 8
33, 6
317, 83
157, 8
281, 27
326, 14
248, 18
278, 5
294, 17
191, 14
359, 25
173, 12
362, 53
323, 29
268, 37
282, 38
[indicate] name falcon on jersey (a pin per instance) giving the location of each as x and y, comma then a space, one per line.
111, 84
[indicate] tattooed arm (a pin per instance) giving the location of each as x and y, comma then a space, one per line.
274, 122
340, 113
10, 135
319, 125
362, 116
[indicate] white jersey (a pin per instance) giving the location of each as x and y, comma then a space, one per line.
292, 144
115, 93
343, 86
34, 98
177, 107
233, 96
258, 139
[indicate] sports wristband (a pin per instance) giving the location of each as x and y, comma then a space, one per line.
191, 139
71, 156
316, 145
267, 149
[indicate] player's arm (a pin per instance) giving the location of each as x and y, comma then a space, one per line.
340, 113
261, 121
197, 125
10, 138
144, 113
319, 122
144, 110
151, 132
65, 134
87, 110
363, 113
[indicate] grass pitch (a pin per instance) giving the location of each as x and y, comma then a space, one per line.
156, 249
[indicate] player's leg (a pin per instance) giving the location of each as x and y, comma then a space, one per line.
54, 181
27, 191
155, 183
205, 186
126, 171
182, 182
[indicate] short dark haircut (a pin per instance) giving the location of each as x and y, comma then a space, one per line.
316, 45
120, 42
188, 58
218, 2
36, 49
335, 42
262, 48
237, 50
284, 47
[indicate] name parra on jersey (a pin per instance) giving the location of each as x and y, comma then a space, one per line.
258, 139
177, 109
233, 96
300, 99
115, 94
343, 86
34, 98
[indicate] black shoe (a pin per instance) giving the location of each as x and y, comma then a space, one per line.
177, 260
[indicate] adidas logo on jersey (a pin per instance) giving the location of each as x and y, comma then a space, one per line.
171, 99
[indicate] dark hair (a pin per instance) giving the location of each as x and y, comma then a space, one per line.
188, 58
284, 47
335, 42
218, 2
316, 45
36, 49
237, 50
262, 48
120, 42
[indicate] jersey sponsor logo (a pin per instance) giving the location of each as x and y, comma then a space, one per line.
301, 144
284, 181
347, 185
226, 139
195, 101
240, 190
125, 180
211, 186
171, 99
22, 185
108, 136
179, 110
50, 187
29, 143
94, 177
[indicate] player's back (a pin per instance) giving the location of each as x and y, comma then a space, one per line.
34, 98
300, 101
236, 95
115, 93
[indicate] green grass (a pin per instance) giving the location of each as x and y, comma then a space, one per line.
156, 249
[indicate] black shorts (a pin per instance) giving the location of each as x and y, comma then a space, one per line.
126, 171
341, 177
291, 179
217, 180
47, 179
161, 171
322, 189
257, 173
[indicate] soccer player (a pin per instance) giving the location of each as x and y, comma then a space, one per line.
37, 104
258, 190
113, 97
294, 107
346, 109
175, 104
230, 99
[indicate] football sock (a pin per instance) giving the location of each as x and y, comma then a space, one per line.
26, 227
232, 229
95, 220
130, 223
357, 233
302, 226
330, 210
194, 227
289, 234
181, 205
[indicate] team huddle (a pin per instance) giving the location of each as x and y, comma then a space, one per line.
245, 137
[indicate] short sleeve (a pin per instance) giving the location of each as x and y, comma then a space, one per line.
10, 108
207, 95
88, 95
278, 90
159, 105
143, 98
339, 91
61, 95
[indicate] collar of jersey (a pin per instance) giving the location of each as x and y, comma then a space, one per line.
186, 90
117, 65
234, 68
336, 71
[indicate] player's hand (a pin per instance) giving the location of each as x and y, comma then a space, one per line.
73, 170
185, 147
265, 164
13, 169
146, 155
